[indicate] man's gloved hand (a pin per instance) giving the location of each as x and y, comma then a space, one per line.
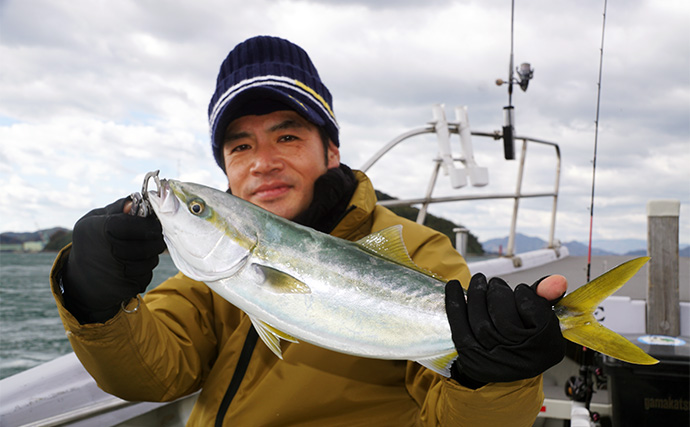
501, 335
112, 259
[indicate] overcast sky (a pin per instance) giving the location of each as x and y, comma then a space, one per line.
94, 94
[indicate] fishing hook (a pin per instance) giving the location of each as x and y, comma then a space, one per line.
140, 201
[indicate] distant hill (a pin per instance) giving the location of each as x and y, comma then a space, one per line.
440, 224
56, 237
620, 246
59, 240
684, 252
525, 243
35, 236
581, 249
10, 239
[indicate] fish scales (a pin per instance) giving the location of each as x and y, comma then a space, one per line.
345, 300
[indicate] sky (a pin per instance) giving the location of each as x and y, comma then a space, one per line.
94, 94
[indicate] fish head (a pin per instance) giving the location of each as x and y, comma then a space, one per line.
202, 243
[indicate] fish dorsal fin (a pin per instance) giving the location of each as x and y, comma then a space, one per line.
271, 336
440, 364
281, 282
388, 243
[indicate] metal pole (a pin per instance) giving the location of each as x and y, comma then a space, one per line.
516, 203
552, 231
421, 216
461, 234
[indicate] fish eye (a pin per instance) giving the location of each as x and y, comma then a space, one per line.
197, 207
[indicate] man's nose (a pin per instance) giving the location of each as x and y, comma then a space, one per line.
266, 159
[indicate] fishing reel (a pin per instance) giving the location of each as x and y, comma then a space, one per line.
525, 73
580, 388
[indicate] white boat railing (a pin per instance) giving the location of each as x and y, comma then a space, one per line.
477, 176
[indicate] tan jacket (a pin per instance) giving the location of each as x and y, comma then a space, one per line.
185, 337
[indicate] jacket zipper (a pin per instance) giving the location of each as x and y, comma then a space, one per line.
240, 370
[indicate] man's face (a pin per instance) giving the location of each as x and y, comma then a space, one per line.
273, 160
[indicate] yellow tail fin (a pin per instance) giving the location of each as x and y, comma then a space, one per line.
578, 324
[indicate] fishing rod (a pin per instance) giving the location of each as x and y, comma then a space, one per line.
596, 143
581, 388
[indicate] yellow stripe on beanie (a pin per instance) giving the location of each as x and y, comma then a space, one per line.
317, 96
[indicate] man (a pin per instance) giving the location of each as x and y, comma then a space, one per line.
275, 136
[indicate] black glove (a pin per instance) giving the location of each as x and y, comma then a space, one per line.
501, 335
112, 260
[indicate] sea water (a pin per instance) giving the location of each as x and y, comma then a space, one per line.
31, 332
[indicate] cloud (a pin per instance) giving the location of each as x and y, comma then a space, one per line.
99, 93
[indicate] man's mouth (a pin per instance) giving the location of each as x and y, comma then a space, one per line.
271, 191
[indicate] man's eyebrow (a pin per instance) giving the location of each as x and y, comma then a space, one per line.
287, 124
230, 136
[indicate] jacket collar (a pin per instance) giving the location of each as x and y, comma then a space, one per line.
357, 221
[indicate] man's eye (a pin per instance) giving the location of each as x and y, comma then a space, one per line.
240, 147
287, 138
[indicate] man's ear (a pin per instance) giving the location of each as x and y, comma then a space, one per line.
332, 156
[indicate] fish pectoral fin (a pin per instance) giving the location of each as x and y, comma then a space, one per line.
388, 243
271, 336
280, 334
597, 337
281, 282
440, 364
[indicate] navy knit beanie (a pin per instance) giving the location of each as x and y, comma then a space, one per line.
264, 70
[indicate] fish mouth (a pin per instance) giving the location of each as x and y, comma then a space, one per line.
162, 199
169, 203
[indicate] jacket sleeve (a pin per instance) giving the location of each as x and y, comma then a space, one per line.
159, 348
443, 401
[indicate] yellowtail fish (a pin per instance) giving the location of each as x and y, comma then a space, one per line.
365, 298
